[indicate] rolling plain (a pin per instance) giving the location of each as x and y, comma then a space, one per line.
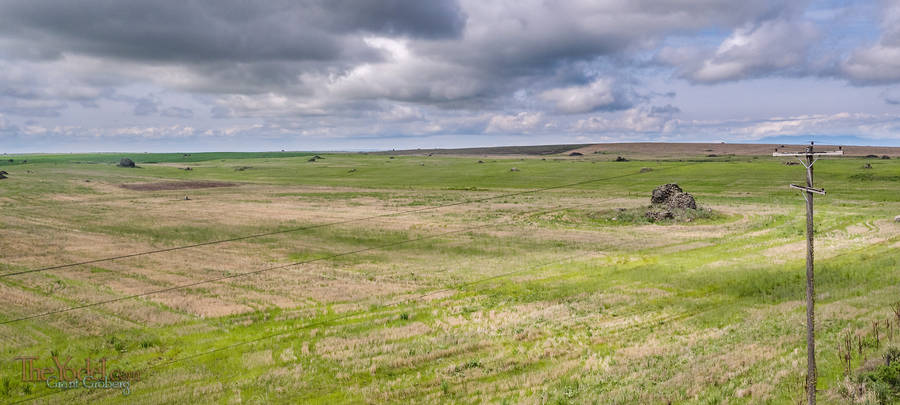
423, 277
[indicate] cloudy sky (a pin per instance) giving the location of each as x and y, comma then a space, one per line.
185, 75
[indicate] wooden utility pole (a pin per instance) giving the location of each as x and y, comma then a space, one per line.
811, 157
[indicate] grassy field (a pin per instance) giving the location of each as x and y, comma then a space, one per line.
433, 279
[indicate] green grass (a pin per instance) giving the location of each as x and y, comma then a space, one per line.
589, 303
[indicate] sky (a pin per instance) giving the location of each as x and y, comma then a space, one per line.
235, 75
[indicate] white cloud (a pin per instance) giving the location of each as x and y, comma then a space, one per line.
173, 131
634, 120
869, 125
644, 124
582, 99
522, 122
502, 67
756, 49
270, 105
403, 75
880, 62
402, 113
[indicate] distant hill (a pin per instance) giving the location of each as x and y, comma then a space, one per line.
651, 149
493, 150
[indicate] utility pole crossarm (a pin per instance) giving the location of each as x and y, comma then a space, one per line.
801, 154
809, 189
808, 158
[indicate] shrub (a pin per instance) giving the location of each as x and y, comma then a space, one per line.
884, 380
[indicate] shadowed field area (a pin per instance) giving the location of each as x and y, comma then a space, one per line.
413, 278
176, 185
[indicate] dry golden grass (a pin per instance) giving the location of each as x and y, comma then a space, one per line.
614, 320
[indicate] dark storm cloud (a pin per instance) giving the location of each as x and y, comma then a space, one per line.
427, 19
221, 30
157, 31
338, 67
455, 55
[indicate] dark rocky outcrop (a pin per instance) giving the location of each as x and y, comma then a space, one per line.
682, 201
659, 215
662, 193
667, 201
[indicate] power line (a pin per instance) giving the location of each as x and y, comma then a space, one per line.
340, 317
297, 229
265, 269
349, 314
236, 275
463, 285
335, 318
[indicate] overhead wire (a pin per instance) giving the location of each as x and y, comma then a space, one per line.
309, 227
325, 321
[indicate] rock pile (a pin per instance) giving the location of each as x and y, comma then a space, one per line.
659, 215
667, 200
126, 162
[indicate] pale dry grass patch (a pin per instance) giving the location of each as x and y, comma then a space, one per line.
199, 305
650, 347
535, 380
13, 298
437, 352
833, 243
377, 341
144, 314
261, 358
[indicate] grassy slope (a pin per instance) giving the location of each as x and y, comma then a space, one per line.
695, 313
